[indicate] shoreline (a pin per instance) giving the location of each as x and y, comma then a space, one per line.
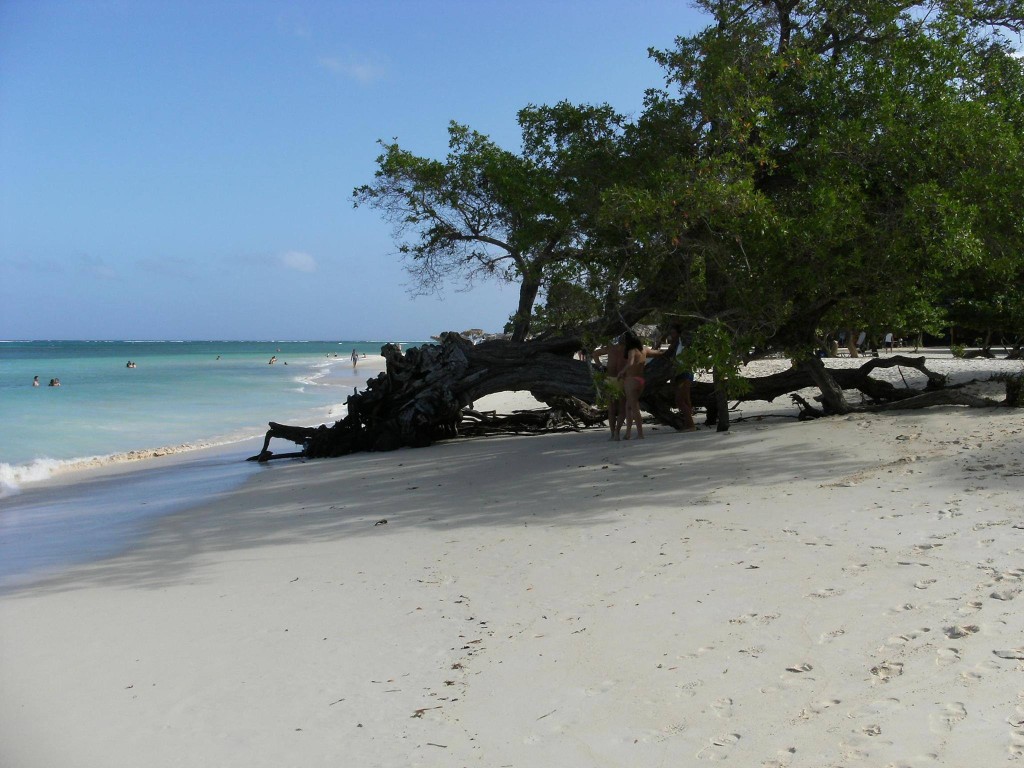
92, 508
48, 472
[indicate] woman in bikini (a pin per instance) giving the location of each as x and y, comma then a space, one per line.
632, 376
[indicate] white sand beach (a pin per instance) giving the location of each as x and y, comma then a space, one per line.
839, 592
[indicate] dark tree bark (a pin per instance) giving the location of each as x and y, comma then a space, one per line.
721, 401
427, 394
832, 397
528, 291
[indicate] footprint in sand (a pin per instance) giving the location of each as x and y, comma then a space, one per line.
690, 689
1016, 747
882, 708
887, 670
946, 656
669, 732
1013, 574
1005, 594
597, 690
906, 637
822, 594
972, 607
803, 667
979, 671
960, 630
924, 583
723, 707
827, 637
817, 707
719, 748
947, 717
782, 760
1011, 653
901, 609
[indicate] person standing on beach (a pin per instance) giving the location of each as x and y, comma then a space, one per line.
632, 377
355, 358
616, 353
682, 380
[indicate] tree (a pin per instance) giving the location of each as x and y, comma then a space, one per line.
816, 163
838, 158
488, 212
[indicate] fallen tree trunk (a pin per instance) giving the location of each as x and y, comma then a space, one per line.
427, 394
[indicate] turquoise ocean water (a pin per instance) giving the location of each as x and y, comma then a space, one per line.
180, 396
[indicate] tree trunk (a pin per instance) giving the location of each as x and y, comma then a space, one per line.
528, 291
721, 400
427, 394
832, 398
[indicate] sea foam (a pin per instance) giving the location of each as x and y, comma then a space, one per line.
12, 477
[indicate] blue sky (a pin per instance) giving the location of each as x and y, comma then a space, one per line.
183, 170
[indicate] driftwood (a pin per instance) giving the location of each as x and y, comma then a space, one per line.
427, 394
564, 415
423, 395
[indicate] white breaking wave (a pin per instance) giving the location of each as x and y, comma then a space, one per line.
12, 477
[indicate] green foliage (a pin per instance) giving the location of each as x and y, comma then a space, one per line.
958, 351
609, 388
485, 212
714, 347
809, 166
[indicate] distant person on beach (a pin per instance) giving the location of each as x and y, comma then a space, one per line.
632, 377
35, 381
888, 342
616, 354
355, 358
273, 359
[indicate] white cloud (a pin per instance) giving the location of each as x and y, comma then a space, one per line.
169, 266
300, 262
95, 266
362, 71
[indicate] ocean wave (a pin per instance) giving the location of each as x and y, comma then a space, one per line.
14, 476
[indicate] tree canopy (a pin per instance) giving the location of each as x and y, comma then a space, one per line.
808, 166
